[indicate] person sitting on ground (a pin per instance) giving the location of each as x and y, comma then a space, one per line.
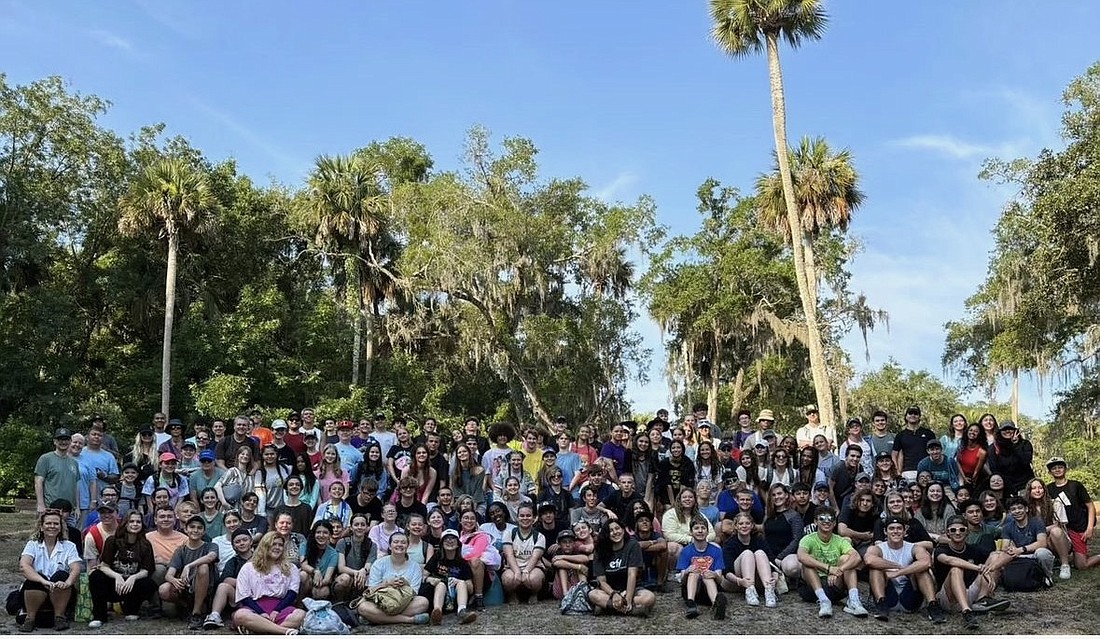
165, 539
356, 553
319, 562
568, 566
965, 574
523, 550
895, 506
857, 523
747, 563
96, 534
654, 551
124, 572
452, 579
190, 572
226, 590
617, 568
51, 569
899, 574
1026, 536
829, 567
783, 528
676, 524
267, 587
395, 570
700, 566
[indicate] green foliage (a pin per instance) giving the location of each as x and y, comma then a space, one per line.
222, 395
893, 389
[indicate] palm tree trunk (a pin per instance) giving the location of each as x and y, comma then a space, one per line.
368, 338
811, 270
779, 124
169, 321
1016, 396
356, 318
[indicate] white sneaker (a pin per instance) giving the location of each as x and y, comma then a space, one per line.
769, 598
132, 617
213, 621
752, 597
1063, 572
825, 609
855, 609
95, 623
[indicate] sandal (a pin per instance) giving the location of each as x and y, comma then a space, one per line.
291, 631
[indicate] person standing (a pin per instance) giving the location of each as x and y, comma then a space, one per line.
1010, 457
805, 435
882, 440
56, 474
911, 444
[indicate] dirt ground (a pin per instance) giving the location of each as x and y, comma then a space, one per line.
1071, 607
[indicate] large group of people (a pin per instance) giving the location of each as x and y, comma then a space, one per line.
238, 521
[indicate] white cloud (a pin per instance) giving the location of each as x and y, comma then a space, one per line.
249, 135
109, 39
958, 149
614, 189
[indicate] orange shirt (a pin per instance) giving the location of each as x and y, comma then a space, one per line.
165, 545
264, 434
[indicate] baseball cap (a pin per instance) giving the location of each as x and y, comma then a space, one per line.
145, 429
241, 532
188, 444
883, 455
379, 416
560, 419
206, 455
62, 433
175, 421
549, 451
725, 447
345, 424
854, 420
545, 506
107, 508
129, 465
450, 532
768, 433
821, 486
566, 534
167, 457
893, 519
312, 434
196, 519
1007, 424
933, 443
811, 409
278, 424
863, 477
1056, 461
912, 410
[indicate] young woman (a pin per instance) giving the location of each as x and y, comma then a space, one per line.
211, 513
267, 587
789, 444
886, 471
989, 427
330, 471
707, 465
780, 471
143, 455
395, 570
583, 446
451, 577
311, 490
807, 471
746, 559
783, 528
970, 456
617, 568
993, 512
676, 523
674, 474
523, 550
477, 548
231, 521
748, 471
236, 481
374, 465
420, 549
421, 469
690, 442
319, 562
956, 433
934, 511
167, 477
1053, 515
468, 477
437, 523
356, 553
590, 510
555, 492
511, 496
499, 524
160, 500
124, 573
996, 485
334, 507
381, 533
249, 519
513, 468
643, 465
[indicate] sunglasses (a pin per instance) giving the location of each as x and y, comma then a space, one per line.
825, 518
956, 530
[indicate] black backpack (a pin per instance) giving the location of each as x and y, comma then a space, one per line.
1024, 575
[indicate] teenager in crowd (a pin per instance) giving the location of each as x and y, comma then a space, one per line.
50, 567
334, 507
356, 553
782, 529
746, 563
970, 455
237, 480
225, 592
674, 473
451, 578
617, 569
395, 569
1053, 516
267, 588
523, 550
966, 577
829, 567
124, 573
311, 489
934, 511
899, 574
191, 572
1080, 514
700, 566
319, 562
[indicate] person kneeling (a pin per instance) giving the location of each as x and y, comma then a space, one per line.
828, 556
267, 587
899, 574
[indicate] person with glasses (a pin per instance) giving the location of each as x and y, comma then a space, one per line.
830, 568
899, 574
966, 575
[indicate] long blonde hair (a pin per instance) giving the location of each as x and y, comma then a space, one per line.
262, 561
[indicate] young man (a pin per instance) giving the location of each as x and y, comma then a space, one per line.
899, 575
966, 579
701, 411
700, 566
1026, 536
56, 475
207, 475
260, 433
882, 441
1080, 515
829, 568
944, 470
294, 437
165, 539
350, 457
532, 454
621, 501
160, 420
383, 435
856, 437
189, 572
654, 552
226, 591
616, 450
842, 481
226, 450
744, 423
283, 451
805, 435
96, 534
309, 423
910, 445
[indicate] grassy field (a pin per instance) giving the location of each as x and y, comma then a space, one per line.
1067, 608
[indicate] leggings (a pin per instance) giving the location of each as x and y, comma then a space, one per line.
103, 592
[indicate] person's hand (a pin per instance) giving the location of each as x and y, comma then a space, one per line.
128, 585
184, 574
41, 508
61, 585
1087, 535
360, 578
120, 585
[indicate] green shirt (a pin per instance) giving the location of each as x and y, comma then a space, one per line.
827, 553
61, 474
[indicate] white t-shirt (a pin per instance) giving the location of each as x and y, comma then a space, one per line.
64, 553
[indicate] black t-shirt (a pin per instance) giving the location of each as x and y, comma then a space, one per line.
403, 512
618, 565
622, 506
778, 533
397, 453
913, 445
443, 568
733, 548
1076, 500
971, 553
302, 515
844, 479
233, 567
372, 509
551, 534
857, 521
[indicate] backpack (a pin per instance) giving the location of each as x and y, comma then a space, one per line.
321, 619
1023, 575
575, 601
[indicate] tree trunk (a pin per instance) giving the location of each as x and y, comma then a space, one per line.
712, 382
822, 389
169, 321
368, 338
811, 270
1016, 396
356, 318
737, 389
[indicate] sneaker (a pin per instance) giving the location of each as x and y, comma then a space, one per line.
989, 604
882, 611
1063, 572
970, 619
60, 623
692, 610
856, 609
95, 623
825, 609
769, 598
132, 617
213, 621
194, 622
752, 597
720, 603
479, 602
422, 619
466, 616
437, 617
935, 613
27, 625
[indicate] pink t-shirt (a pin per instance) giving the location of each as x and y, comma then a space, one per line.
250, 583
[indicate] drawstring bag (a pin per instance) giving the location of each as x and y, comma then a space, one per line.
83, 612
575, 601
321, 619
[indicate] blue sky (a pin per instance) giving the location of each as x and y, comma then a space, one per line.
633, 97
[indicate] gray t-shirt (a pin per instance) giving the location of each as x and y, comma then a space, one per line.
61, 475
881, 444
185, 555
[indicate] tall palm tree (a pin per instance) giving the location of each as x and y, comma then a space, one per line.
343, 208
169, 196
745, 27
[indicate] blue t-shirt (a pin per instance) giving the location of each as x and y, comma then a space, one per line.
1029, 534
329, 558
709, 558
